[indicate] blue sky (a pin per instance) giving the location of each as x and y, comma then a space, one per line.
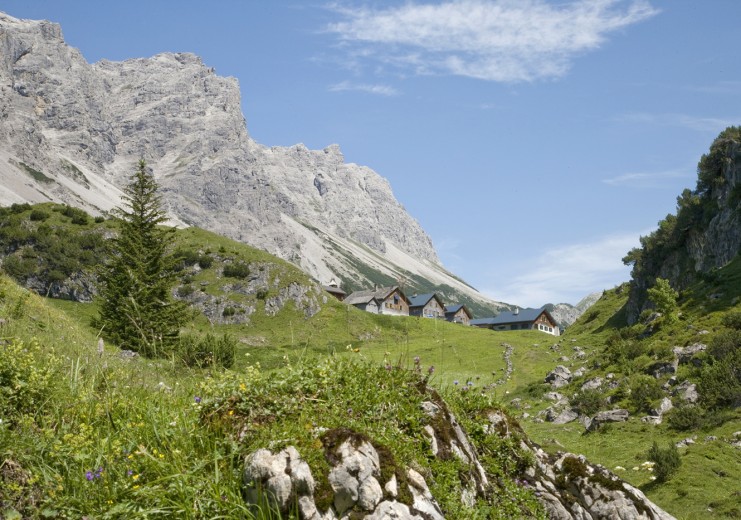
534, 140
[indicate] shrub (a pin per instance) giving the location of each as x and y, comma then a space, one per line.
732, 320
725, 343
205, 261
185, 290
99, 219
588, 402
667, 461
237, 270
229, 311
24, 384
644, 390
665, 299
720, 383
206, 351
39, 215
686, 418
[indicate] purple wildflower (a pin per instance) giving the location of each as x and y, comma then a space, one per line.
431, 369
470, 383
89, 475
416, 360
197, 399
455, 382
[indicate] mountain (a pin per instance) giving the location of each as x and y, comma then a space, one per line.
566, 314
705, 233
72, 132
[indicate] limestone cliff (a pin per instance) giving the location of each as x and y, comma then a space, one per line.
704, 235
72, 132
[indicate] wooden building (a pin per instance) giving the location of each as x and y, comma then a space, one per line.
521, 319
458, 313
384, 300
428, 305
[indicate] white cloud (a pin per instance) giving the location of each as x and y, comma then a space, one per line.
567, 273
381, 90
648, 179
497, 40
702, 124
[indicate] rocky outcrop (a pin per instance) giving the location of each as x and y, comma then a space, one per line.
703, 236
559, 376
72, 132
364, 482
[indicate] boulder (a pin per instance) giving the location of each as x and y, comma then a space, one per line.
559, 376
687, 392
592, 384
664, 406
685, 354
617, 415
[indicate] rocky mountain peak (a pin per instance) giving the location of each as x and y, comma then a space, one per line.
72, 132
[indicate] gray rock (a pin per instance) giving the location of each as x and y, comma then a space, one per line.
84, 126
354, 480
562, 417
284, 476
664, 406
685, 354
592, 384
617, 415
687, 392
558, 377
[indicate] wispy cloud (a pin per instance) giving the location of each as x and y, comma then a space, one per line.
702, 124
496, 40
722, 87
568, 273
380, 90
648, 179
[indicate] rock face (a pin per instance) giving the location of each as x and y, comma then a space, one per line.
704, 235
72, 132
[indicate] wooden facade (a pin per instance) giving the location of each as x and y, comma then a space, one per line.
427, 306
458, 314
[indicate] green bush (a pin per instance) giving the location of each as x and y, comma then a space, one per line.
732, 320
725, 343
720, 383
205, 261
39, 215
644, 390
237, 270
206, 351
667, 461
185, 290
588, 402
24, 384
686, 418
229, 311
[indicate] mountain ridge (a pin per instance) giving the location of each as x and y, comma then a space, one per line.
82, 127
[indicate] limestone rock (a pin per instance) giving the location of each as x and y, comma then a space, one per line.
559, 376
617, 415
84, 127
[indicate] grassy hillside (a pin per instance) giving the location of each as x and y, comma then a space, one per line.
97, 434
283, 324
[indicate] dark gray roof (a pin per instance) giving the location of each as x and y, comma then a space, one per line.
523, 316
360, 297
332, 289
452, 309
420, 300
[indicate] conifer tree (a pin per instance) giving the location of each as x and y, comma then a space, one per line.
137, 309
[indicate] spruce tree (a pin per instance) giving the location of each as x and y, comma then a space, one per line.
137, 310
